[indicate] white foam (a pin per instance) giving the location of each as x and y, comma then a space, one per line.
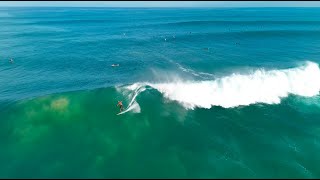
197, 74
135, 89
259, 87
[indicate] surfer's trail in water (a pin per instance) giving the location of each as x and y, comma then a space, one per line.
207, 92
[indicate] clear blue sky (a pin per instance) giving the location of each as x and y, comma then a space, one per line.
163, 3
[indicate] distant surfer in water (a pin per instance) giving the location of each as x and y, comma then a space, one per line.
11, 60
120, 105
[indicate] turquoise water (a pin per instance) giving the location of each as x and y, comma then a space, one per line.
208, 92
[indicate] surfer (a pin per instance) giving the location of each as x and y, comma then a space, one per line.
120, 105
11, 61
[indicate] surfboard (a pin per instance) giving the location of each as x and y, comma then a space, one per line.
121, 112
130, 107
126, 110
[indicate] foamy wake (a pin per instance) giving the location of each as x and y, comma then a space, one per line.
132, 92
236, 90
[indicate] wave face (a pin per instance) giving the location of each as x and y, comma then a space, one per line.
83, 128
261, 86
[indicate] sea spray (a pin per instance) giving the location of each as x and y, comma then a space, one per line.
261, 86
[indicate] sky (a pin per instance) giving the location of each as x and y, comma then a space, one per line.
161, 3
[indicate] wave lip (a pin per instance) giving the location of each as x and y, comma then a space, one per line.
260, 86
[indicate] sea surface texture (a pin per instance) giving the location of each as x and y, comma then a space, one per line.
207, 92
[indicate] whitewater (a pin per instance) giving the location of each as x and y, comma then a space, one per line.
261, 86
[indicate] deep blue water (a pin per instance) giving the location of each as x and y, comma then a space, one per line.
63, 49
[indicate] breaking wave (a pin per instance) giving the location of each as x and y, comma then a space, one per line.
261, 86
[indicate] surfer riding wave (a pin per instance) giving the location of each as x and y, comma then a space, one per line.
120, 105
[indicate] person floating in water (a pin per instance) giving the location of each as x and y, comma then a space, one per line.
11, 60
120, 105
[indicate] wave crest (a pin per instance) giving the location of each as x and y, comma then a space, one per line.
261, 86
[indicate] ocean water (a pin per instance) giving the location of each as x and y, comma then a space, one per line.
208, 92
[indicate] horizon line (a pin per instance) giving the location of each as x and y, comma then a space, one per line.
161, 4
158, 7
